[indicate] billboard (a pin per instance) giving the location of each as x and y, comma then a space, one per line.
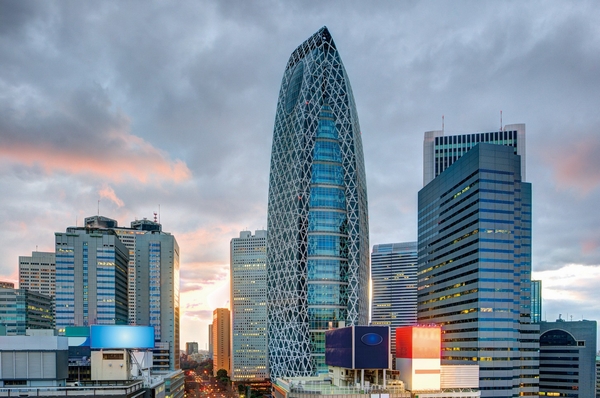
358, 347
338, 347
372, 347
121, 336
419, 342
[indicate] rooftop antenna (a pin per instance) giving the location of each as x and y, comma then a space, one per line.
442, 124
98, 207
501, 129
159, 213
155, 216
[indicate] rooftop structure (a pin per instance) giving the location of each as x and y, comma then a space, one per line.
441, 151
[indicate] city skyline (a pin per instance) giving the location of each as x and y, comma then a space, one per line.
170, 109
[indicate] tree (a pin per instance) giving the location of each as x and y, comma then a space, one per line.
223, 379
222, 373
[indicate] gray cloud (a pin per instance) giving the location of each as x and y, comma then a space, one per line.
198, 82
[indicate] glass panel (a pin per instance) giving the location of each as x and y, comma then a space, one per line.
327, 197
327, 221
327, 174
327, 151
325, 294
324, 245
327, 270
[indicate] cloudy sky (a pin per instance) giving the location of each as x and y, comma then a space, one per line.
148, 104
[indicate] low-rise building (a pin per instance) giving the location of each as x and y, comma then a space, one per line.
33, 361
568, 358
358, 359
21, 309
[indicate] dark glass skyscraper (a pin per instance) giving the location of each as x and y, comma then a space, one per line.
318, 245
475, 269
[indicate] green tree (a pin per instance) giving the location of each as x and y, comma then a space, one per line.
221, 373
223, 378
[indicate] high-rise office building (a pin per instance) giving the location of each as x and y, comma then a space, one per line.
394, 287
91, 278
318, 234
568, 358
127, 237
440, 151
37, 273
475, 269
21, 309
191, 348
536, 301
157, 293
151, 280
221, 332
248, 273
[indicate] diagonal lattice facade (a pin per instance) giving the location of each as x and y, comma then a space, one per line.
318, 245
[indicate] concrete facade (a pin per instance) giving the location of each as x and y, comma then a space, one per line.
37, 273
248, 273
568, 358
221, 335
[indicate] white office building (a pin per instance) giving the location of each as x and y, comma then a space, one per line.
441, 151
37, 273
249, 306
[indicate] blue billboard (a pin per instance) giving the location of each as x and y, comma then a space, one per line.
372, 347
358, 347
121, 336
338, 347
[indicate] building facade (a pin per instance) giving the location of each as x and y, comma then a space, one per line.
474, 279
37, 273
221, 332
394, 287
536, 301
40, 361
597, 376
440, 151
210, 342
248, 273
157, 294
128, 237
21, 309
191, 348
108, 274
318, 240
91, 278
568, 358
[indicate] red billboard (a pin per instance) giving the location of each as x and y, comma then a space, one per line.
421, 342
